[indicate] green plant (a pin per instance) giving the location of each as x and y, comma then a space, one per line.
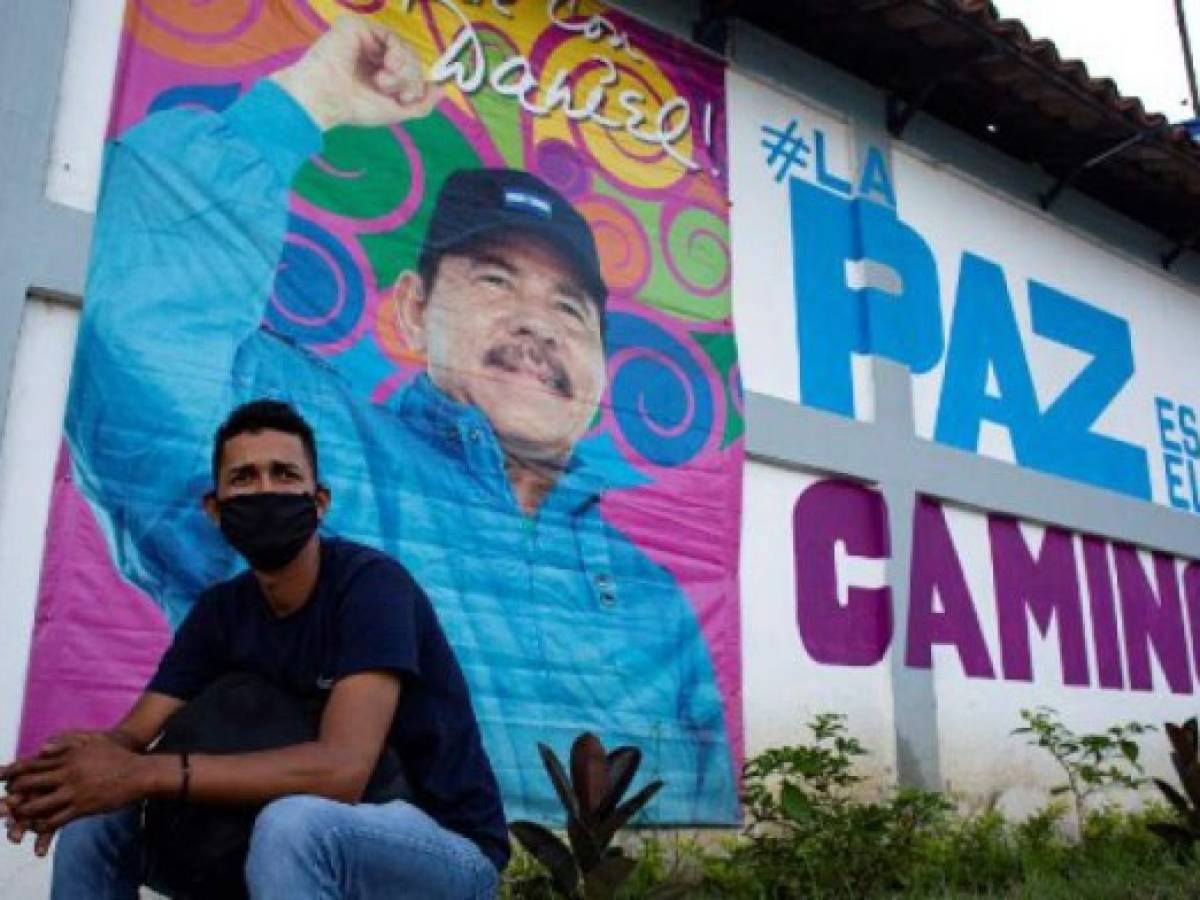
675, 867
816, 829
1185, 756
1091, 762
588, 865
809, 835
525, 878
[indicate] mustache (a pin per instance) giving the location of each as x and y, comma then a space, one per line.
518, 356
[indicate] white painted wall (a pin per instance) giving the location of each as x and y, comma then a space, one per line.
783, 687
982, 761
89, 70
956, 216
981, 758
41, 371
32, 431
764, 306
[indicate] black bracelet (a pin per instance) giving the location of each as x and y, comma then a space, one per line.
186, 771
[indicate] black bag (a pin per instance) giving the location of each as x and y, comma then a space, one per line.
198, 852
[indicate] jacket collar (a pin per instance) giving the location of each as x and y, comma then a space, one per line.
595, 466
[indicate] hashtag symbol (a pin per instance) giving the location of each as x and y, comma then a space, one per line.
786, 149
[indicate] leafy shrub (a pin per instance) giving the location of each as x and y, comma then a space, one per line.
812, 831
1091, 762
808, 835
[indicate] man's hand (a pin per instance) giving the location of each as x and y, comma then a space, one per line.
359, 73
133, 733
15, 827
76, 774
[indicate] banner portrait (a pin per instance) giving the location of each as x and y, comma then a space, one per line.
503, 307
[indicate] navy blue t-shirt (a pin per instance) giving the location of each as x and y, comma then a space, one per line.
366, 613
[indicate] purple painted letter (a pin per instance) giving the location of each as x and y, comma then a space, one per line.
935, 567
1046, 586
1105, 638
829, 513
1152, 621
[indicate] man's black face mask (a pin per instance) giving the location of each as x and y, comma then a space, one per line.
268, 529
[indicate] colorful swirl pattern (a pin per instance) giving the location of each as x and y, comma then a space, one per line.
661, 391
215, 97
219, 34
319, 296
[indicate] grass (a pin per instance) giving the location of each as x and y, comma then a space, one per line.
959, 858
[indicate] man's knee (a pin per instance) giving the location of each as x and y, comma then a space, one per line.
289, 829
80, 837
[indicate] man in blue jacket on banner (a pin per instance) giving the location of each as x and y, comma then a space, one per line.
474, 475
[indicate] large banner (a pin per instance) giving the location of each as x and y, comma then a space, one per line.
530, 271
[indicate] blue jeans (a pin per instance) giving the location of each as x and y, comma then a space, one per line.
302, 846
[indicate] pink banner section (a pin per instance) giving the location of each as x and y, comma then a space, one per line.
94, 647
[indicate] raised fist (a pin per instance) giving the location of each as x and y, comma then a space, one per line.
359, 73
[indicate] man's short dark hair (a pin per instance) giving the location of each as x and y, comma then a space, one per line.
263, 415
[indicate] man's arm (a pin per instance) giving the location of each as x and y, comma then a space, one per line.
190, 227
98, 776
337, 765
145, 720
191, 222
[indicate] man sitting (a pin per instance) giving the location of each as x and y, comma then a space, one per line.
312, 615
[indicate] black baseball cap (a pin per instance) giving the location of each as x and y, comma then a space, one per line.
475, 203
